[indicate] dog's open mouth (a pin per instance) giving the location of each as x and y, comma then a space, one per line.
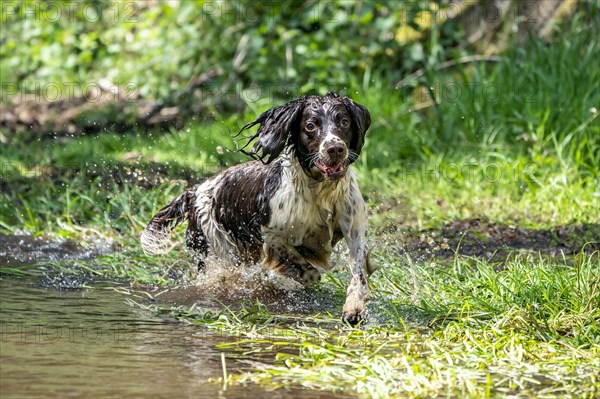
331, 171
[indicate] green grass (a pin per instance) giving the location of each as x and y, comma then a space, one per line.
526, 325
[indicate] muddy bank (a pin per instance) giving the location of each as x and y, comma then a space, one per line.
37, 254
492, 241
23, 250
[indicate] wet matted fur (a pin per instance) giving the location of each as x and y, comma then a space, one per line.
290, 206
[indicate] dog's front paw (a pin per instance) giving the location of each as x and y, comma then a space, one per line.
353, 317
355, 307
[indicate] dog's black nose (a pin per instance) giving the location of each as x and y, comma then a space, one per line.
336, 151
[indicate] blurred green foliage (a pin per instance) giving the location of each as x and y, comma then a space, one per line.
538, 98
286, 47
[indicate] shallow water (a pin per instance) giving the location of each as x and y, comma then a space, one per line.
58, 342
92, 344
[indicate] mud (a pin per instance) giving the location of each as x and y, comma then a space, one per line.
492, 241
24, 250
18, 251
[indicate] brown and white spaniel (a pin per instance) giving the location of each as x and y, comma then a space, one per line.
290, 206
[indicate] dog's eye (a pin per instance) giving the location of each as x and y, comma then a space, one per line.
345, 122
310, 127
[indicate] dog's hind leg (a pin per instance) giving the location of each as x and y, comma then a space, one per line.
196, 242
287, 261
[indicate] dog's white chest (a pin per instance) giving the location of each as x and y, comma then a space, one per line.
295, 218
304, 215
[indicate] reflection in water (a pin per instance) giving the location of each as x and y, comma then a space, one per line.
90, 343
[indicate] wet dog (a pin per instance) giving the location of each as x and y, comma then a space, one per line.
290, 206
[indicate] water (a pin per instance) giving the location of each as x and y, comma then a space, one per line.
58, 342
92, 344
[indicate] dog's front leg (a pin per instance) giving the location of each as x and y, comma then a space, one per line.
354, 225
285, 259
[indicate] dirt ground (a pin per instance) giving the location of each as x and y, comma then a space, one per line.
492, 241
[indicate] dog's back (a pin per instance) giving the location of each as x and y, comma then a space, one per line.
224, 214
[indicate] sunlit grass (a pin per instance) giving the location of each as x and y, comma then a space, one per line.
516, 191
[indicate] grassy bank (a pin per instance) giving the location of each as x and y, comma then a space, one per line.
484, 213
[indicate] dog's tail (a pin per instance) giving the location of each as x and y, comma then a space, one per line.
155, 238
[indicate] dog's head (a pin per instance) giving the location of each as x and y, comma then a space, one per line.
326, 134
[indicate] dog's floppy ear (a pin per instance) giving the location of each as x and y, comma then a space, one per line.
361, 120
276, 127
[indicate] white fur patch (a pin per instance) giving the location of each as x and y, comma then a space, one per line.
156, 242
302, 206
221, 244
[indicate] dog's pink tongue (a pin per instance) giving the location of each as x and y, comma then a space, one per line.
335, 168
331, 169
